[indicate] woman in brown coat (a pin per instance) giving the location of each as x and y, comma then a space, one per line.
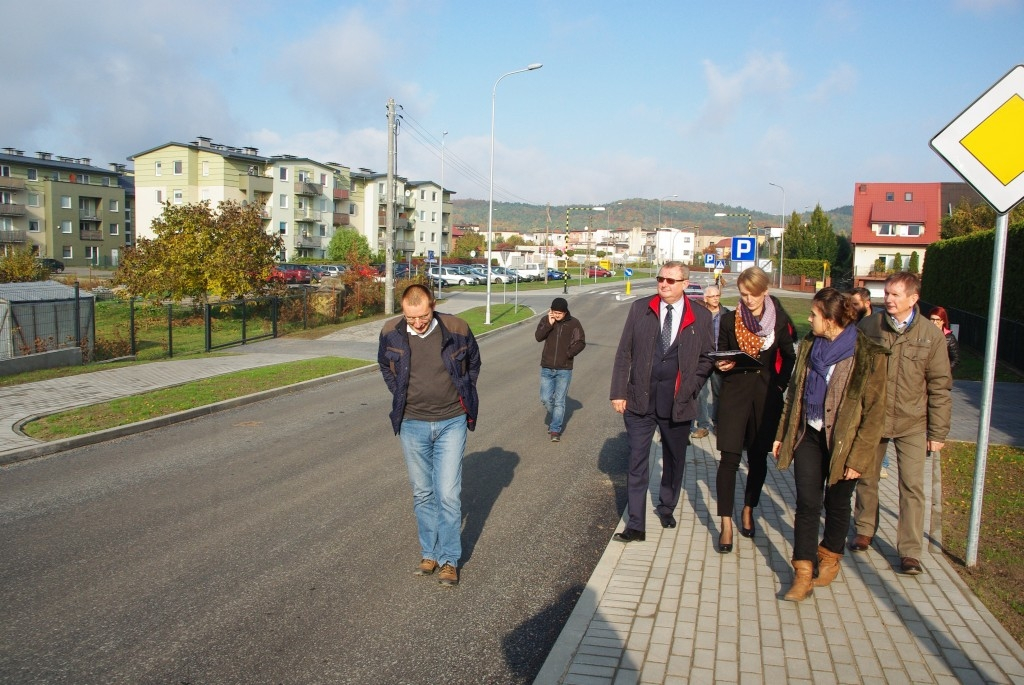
830, 431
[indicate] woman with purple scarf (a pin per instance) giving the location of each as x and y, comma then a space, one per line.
830, 430
750, 400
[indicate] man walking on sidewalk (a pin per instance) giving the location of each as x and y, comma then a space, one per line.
660, 365
917, 415
563, 339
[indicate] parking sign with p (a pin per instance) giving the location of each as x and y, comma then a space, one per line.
744, 249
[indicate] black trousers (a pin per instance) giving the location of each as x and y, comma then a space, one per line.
757, 471
675, 438
810, 470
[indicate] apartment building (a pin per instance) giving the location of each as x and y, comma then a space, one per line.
303, 200
64, 207
430, 217
370, 189
891, 218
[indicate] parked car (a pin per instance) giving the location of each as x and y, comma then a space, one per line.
598, 272
449, 276
695, 293
467, 271
333, 269
317, 271
531, 272
556, 275
54, 265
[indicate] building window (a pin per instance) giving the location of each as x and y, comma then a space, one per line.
83, 178
179, 197
158, 169
282, 228
380, 189
421, 236
105, 181
323, 230
433, 237
300, 203
114, 229
433, 196
206, 168
205, 194
65, 202
66, 252
323, 179
33, 174
159, 197
177, 167
33, 199
115, 206
33, 226
886, 229
908, 197
283, 173
352, 208
915, 229
65, 226
92, 254
6, 224
889, 197
5, 170
433, 217
423, 195
423, 215
283, 201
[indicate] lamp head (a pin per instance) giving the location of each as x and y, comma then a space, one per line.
720, 214
535, 65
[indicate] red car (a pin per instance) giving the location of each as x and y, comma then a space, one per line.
290, 273
596, 271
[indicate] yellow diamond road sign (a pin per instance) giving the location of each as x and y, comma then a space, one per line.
985, 144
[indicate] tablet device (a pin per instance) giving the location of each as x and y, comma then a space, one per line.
742, 359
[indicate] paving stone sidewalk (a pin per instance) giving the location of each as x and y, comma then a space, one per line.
672, 610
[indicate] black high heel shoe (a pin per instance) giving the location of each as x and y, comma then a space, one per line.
748, 532
724, 547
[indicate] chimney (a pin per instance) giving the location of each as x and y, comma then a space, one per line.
203, 141
85, 160
8, 150
43, 155
251, 151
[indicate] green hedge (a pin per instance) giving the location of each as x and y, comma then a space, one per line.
958, 273
803, 267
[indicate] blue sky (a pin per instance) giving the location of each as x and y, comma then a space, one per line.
707, 101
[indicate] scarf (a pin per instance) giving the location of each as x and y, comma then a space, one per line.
751, 334
824, 354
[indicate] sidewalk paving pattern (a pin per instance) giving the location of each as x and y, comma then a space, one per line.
671, 609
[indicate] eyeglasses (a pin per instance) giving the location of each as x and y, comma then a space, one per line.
935, 319
414, 319
670, 281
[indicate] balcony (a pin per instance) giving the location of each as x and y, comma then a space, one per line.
89, 214
11, 209
255, 184
401, 224
307, 241
307, 215
12, 236
405, 245
90, 235
341, 193
341, 219
308, 188
8, 183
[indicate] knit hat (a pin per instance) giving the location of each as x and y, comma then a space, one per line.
559, 305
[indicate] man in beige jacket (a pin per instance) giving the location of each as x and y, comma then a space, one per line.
917, 416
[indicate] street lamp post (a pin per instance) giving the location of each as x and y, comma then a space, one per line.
440, 238
659, 207
490, 192
782, 228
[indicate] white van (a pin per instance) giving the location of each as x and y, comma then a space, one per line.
534, 272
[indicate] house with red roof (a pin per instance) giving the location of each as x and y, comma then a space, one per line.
898, 218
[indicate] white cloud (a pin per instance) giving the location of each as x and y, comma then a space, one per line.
842, 79
761, 75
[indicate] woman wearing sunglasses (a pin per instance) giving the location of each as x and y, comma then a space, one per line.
751, 398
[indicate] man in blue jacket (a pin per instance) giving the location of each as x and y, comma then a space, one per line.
430, 363
660, 366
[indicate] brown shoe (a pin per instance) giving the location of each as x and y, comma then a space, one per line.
828, 567
911, 566
449, 576
860, 543
802, 586
700, 433
426, 567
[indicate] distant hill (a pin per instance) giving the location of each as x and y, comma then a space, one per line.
518, 216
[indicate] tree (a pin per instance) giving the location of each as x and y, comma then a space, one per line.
20, 266
198, 252
814, 240
349, 246
915, 263
897, 262
466, 244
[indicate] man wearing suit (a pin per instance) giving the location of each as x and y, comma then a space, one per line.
660, 366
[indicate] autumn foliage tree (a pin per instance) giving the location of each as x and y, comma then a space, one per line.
198, 253
20, 266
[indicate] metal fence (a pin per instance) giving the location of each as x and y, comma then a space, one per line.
974, 331
133, 328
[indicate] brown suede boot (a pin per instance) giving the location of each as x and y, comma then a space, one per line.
828, 567
803, 585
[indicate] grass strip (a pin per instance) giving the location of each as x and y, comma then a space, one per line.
998, 577
165, 401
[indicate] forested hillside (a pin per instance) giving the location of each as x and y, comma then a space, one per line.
515, 216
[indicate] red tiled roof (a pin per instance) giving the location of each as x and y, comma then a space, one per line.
898, 212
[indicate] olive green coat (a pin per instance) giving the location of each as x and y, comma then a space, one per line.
854, 408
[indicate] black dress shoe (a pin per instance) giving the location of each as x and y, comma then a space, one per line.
667, 520
724, 547
630, 535
747, 532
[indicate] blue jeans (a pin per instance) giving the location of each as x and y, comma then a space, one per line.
554, 386
433, 454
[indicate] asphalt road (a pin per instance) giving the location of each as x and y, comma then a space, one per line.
274, 543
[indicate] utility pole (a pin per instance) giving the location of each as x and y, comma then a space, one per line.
389, 216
